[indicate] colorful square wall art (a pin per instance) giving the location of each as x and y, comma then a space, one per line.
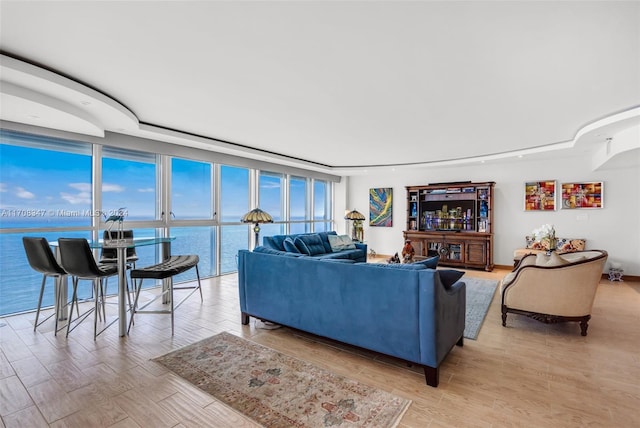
582, 195
540, 195
381, 207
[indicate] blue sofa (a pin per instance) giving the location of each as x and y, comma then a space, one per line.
407, 311
316, 245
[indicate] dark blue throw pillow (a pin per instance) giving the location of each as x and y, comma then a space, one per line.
289, 246
448, 277
430, 263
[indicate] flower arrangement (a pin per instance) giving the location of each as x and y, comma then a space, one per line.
546, 232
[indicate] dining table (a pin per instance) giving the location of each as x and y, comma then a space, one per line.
120, 245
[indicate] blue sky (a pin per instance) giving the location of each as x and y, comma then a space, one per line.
48, 181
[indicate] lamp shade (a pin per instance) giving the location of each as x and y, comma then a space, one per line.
354, 215
257, 216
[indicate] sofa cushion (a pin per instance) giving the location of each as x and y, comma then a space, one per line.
309, 244
290, 246
341, 242
429, 263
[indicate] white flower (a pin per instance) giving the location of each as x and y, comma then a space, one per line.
544, 231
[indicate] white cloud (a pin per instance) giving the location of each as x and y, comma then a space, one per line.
22, 193
3, 187
82, 197
147, 190
83, 187
78, 198
108, 187
269, 185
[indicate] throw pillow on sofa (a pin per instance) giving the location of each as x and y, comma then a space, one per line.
290, 246
448, 277
341, 242
429, 263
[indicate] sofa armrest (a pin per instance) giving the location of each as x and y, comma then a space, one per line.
450, 313
361, 246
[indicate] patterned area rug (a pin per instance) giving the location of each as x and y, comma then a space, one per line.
479, 295
276, 390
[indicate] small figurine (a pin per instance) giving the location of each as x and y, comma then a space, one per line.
394, 259
408, 252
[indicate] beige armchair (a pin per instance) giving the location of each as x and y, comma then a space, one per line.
554, 288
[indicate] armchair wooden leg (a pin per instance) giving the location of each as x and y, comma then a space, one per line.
584, 325
504, 316
460, 341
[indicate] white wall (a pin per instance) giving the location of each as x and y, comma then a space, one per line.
614, 228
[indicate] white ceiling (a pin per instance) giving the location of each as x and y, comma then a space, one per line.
328, 84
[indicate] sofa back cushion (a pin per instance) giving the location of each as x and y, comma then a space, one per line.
324, 236
310, 245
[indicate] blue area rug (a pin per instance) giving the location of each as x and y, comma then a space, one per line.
479, 295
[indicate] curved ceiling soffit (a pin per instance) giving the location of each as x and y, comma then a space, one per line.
43, 110
27, 88
55, 101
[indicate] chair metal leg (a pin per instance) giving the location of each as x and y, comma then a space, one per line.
199, 284
171, 292
96, 283
135, 302
44, 280
74, 298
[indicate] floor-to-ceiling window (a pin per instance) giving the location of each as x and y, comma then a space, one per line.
299, 205
45, 190
191, 216
271, 199
54, 188
130, 186
234, 203
321, 206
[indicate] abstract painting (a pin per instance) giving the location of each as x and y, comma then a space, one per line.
582, 195
381, 207
540, 195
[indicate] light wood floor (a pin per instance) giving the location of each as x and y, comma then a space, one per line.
528, 374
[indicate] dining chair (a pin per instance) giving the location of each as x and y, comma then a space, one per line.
110, 255
77, 259
41, 259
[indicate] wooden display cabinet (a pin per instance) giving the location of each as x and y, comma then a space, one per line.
454, 219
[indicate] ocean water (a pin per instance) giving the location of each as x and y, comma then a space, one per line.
20, 284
